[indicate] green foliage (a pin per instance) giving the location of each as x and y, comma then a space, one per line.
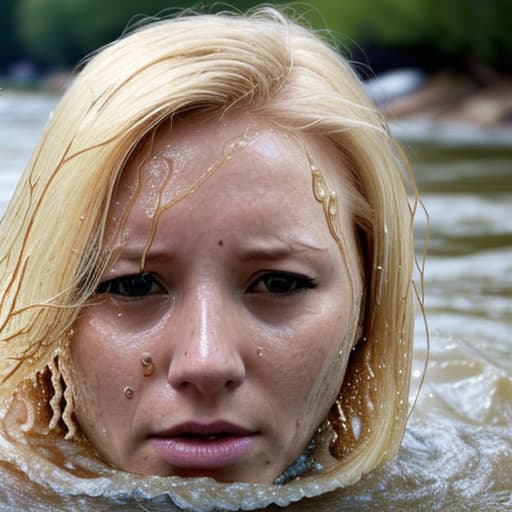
60, 32
9, 46
463, 29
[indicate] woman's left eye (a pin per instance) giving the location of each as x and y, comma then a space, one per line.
132, 286
281, 283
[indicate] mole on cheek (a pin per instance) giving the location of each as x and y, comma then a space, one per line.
221, 243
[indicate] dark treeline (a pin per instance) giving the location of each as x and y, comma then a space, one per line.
452, 33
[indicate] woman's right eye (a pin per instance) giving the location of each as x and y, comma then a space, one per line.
135, 285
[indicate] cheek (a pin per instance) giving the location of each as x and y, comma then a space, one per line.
308, 370
102, 372
331, 362
330, 354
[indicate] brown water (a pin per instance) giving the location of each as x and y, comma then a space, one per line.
457, 453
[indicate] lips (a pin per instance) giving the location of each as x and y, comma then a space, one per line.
194, 445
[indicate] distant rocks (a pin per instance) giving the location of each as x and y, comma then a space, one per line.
445, 108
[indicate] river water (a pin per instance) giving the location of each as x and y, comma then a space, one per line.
457, 453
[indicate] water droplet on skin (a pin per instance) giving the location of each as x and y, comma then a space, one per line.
128, 392
119, 314
259, 352
332, 210
82, 217
379, 267
147, 363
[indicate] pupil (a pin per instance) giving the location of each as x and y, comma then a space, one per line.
278, 284
139, 285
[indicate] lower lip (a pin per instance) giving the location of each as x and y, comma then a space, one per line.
194, 453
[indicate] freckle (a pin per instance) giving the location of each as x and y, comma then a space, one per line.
221, 243
186, 352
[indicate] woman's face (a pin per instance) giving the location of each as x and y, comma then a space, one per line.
223, 355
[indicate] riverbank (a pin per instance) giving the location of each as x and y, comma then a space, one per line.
448, 110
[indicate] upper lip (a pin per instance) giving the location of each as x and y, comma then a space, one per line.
194, 428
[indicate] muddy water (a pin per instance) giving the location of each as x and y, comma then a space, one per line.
457, 453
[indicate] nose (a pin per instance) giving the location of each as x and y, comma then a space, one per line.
206, 356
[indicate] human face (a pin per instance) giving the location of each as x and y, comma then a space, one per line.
244, 304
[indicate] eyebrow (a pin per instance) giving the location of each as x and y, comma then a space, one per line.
277, 250
135, 254
258, 250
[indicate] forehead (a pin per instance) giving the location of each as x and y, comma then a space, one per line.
226, 166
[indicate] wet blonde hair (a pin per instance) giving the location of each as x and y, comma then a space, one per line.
52, 233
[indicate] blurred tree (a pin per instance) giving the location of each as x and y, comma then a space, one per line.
60, 32
466, 31
10, 49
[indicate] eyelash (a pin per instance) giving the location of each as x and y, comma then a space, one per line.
298, 282
115, 286
288, 282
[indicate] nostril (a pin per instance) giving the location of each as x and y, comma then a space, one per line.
183, 385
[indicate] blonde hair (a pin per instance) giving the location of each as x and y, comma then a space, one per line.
52, 233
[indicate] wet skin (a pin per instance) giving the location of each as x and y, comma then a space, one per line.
244, 305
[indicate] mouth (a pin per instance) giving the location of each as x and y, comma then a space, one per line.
194, 445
